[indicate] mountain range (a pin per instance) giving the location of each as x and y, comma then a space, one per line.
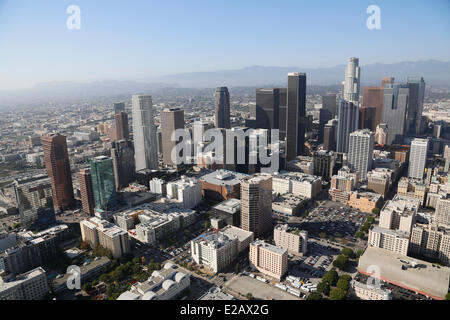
435, 73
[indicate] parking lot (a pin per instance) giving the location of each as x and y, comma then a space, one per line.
332, 219
244, 284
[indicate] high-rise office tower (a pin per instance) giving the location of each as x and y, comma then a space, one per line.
395, 105
171, 120
348, 115
325, 116
119, 107
222, 108
267, 108
144, 133
350, 91
57, 164
122, 131
295, 115
87, 193
360, 152
329, 103
367, 118
282, 112
417, 158
103, 183
256, 204
122, 155
416, 87
373, 97
329, 137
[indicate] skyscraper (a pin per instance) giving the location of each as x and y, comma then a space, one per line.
416, 87
267, 108
144, 133
348, 115
325, 116
87, 193
329, 134
256, 204
360, 152
417, 158
295, 115
282, 112
329, 103
351, 83
122, 131
122, 154
119, 107
373, 97
103, 183
222, 108
57, 164
367, 117
171, 120
395, 105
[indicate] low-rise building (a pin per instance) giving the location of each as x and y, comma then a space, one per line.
244, 238
221, 184
364, 201
399, 213
366, 292
297, 183
166, 284
227, 212
412, 188
288, 204
186, 192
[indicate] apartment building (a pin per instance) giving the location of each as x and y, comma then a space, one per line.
297, 183
412, 188
366, 292
187, 192
31, 285
364, 201
391, 240
268, 259
295, 241
399, 214
431, 241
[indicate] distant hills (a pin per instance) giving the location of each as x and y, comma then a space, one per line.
436, 73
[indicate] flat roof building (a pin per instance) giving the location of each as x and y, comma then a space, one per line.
268, 259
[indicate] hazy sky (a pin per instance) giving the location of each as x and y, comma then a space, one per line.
138, 40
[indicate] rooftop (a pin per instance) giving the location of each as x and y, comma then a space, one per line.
223, 177
268, 246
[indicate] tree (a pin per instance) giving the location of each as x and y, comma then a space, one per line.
105, 278
337, 294
95, 282
340, 262
376, 211
343, 284
249, 296
315, 296
323, 287
87, 287
136, 260
347, 252
360, 235
322, 235
447, 296
331, 277
359, 253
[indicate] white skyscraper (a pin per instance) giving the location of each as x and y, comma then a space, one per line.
417, 158
348, 118
350, 90
360, 152
144, 133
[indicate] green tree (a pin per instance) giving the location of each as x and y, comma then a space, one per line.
340, 262
337, 294
323, 287
105, 278
447, 296
347, 252
360, 235
331, 277
315, 296
87, 287
343, 284
359, 253
249, 296
136, 260
322, 235
376, 211
95, 282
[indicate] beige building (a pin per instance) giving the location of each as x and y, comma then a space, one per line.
268, 259
379, 180
365, 292
295, 241
399, 214
109, 236
443, 212
297, 183
256, 203
392, 240
413, 189
364, 201
431, 241
244, 238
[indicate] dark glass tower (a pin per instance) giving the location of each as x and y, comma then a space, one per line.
296, 115
103, 183
222, 108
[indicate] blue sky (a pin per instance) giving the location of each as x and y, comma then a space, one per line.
138, 40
